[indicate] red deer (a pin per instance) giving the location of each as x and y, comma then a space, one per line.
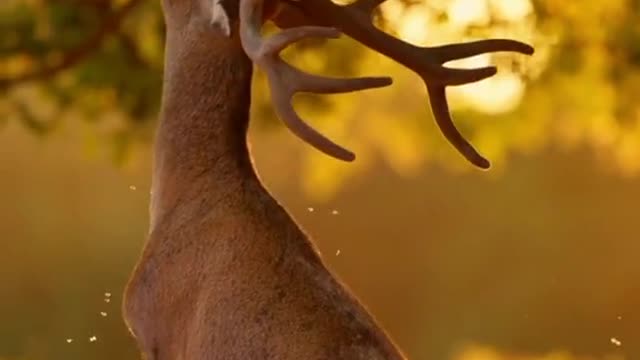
226, 273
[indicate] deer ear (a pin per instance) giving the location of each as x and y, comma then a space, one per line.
219, 17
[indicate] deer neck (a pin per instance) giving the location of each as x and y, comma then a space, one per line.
201, 142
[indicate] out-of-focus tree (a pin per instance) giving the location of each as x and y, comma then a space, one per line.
101, 61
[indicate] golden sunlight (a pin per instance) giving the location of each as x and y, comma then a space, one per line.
511, 10
466, 12
499, 94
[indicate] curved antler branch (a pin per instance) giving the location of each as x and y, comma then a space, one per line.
285, 81
428, 62
440, 109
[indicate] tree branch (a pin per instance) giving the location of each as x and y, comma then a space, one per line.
79, 53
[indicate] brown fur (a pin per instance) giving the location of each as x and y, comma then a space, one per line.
226, 273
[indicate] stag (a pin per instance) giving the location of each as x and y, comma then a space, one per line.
226, 273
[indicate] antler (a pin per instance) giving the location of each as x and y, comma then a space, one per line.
285, 80
354, 20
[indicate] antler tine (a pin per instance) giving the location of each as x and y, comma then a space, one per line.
285, 80
450, 52
440, 109
285, 111
355, 20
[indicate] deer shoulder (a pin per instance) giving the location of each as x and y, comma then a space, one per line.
245, 283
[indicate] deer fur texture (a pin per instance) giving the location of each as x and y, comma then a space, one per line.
226, 273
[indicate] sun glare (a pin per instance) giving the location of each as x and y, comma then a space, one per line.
417, 25
512, 10
467, 12
498, 94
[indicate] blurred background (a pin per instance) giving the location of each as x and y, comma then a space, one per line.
536, 259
